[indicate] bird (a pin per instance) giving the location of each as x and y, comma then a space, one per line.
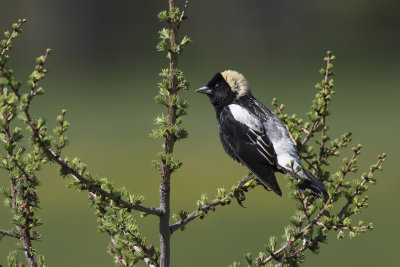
253, 135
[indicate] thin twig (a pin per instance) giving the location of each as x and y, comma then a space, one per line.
323, 120
139, 249
182, 17
208, 206
146, 259
12, 36
299, 196
62, 130
8, 233
360, 205
310, 132
339, 145
363, 182
342, 227
305, 130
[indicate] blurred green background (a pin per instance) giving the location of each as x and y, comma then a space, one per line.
103, 70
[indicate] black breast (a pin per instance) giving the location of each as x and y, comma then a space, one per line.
226, 146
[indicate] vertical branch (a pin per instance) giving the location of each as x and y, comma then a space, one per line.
20, 200
326, 87
22, 180
25, 229
165, 169
170, 128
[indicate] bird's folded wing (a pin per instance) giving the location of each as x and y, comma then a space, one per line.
251, 146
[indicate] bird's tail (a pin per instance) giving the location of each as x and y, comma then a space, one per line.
316, 187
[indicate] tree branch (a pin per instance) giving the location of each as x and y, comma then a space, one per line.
345, 139
165, 169
328, 202
145, 258
211, 206
365, 179
171, 123
96, 189
328, 88
342, 227
183, 16
310, 132
8, 233
13, 35
18, 174
138, 247
63, 163
321, 109
290, 242
299, 196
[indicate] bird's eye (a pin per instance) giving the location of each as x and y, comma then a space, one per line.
218, 85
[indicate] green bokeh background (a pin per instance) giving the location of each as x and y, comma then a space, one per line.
103, 70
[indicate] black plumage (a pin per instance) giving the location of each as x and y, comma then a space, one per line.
252, 134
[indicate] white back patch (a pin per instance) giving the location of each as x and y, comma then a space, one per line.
244, 116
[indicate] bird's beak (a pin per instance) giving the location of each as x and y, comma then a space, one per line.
204, 90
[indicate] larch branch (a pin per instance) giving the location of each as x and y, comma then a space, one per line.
209, 206
8, 233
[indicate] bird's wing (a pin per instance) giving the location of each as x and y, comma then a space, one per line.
286, 149
246, 136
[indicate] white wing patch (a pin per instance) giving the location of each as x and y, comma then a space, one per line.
244, 116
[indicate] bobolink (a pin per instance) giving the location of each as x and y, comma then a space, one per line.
253, 135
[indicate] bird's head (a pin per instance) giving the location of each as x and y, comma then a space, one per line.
225, 87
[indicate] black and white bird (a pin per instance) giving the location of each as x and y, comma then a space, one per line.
253, 135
